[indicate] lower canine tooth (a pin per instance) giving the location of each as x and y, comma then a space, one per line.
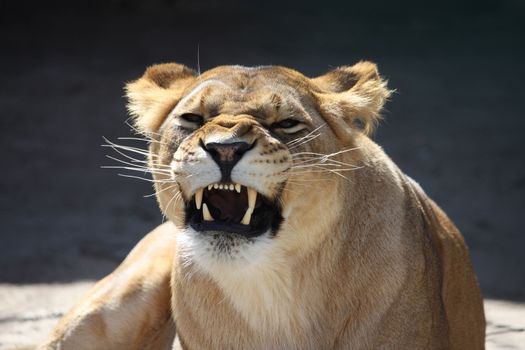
206, 213
198, 198
247, 216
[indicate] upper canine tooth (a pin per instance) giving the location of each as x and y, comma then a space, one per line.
252, 197
206, 213
210, 187
238, 188
198, 198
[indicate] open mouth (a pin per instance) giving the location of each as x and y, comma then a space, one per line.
232, 208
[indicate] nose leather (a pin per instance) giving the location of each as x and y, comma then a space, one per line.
226, 155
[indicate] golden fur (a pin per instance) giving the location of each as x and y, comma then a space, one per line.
363, 258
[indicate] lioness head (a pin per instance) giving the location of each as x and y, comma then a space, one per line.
240, 155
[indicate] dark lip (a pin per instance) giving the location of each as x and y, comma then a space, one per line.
265, 218
226, 228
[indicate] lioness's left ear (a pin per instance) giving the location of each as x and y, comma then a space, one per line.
153, 96
352, 97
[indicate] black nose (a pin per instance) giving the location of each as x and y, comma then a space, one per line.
226, 155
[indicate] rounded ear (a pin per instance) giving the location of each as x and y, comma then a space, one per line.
352, 98
151, 97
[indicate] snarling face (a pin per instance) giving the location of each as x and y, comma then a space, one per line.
240, 155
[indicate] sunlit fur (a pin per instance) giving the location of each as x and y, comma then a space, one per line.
362, 260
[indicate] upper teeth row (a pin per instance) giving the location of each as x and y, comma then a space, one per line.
231, 187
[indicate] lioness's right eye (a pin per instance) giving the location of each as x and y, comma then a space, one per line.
189, 120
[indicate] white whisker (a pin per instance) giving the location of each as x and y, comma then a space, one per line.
128, 148
321, 165
324, 170
141, 139
176, 197
299, 139
144, 179
134, 160
325, 155
144, 152
321, 160
334, 171
307, 182
304, 142
145, 168
157, 192
137, 131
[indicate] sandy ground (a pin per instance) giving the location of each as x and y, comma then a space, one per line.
455, 124
28, 313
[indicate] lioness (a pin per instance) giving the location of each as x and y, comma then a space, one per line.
289, 228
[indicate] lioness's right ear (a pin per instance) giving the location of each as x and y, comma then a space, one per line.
151, 97
352, 94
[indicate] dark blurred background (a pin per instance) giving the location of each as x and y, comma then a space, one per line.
456, 123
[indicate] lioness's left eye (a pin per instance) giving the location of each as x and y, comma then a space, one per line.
288, 126
189, 121
192, 118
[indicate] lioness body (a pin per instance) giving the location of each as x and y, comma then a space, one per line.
360, 259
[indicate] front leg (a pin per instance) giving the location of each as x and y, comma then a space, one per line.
130, 308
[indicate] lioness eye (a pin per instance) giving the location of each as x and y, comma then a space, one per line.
189, 121
192, 118
288, 126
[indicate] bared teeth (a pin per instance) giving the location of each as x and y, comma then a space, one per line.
206, 213
198, 198
252, 198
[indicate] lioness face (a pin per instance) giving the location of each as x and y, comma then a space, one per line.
242, 149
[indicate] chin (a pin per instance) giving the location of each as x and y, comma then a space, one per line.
220, 252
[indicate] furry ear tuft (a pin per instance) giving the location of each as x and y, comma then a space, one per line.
154, 95
352, 97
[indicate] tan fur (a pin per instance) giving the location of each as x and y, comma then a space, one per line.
362, 260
